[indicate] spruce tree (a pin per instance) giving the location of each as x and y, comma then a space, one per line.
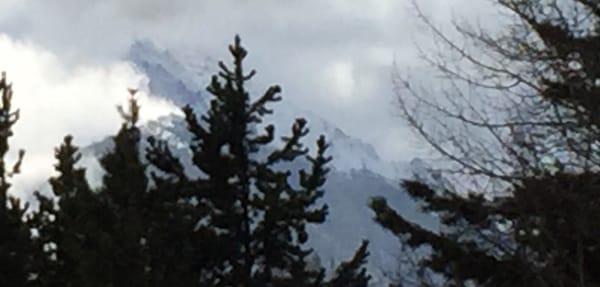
123, 197
67, 224
262, 218
178, 249
249, 216
16, 249
246, 217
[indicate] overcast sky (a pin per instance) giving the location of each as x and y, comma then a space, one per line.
333, 57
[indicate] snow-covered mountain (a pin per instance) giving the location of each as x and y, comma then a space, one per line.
167, 77
358, 172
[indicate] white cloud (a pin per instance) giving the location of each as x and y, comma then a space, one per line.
341, 77
292, 43
57, 99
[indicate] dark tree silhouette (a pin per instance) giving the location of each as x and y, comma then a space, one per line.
123, 197
67, 224
242, 222
246, 206
16, 249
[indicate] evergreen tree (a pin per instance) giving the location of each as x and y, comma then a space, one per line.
242, 223
545, 234
249, 216
244, 191
178, 248
123, 198
67, 224
16, 249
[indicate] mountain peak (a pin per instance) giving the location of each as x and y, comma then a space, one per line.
168, 78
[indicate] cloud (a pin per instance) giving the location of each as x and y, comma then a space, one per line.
331, 57
57, 99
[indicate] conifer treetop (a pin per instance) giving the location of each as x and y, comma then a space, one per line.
8, 118
132, 115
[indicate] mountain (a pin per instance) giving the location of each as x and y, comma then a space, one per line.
167, 77
358, 172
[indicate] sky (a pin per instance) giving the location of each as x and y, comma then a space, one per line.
66, 59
